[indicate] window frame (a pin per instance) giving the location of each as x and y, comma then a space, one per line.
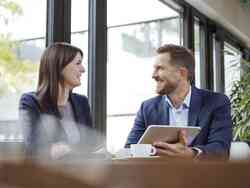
98, 46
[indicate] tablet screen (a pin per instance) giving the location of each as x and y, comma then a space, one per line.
167, 133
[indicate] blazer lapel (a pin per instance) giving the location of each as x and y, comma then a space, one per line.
164, 112
195, 107
74, 107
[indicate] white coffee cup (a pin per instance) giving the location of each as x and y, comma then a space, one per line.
142, 150
239, 151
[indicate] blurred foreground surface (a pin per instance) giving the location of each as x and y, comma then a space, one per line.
134, 173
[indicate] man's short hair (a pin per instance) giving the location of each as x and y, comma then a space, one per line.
180, 56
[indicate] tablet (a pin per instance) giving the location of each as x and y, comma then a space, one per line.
167, 133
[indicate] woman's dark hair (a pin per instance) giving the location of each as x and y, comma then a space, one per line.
55, 57
180, 56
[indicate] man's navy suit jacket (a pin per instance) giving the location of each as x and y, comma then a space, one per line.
208, 110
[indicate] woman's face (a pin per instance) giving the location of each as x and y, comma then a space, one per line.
72, 72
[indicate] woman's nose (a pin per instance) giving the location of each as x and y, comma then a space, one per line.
82, 69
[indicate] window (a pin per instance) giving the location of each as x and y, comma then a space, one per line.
199, 51
79, 37
218, 64
132, 41
232, 58
197, 54
21, 47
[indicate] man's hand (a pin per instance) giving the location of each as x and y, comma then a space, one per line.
179, 149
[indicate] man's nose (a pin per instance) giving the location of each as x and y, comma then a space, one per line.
154, 74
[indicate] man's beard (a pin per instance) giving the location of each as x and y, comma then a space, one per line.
168, 89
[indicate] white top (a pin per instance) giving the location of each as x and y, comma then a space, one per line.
69, 125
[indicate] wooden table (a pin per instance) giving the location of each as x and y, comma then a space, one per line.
163, 173
130, 173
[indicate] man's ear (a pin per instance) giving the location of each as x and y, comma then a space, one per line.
183, 72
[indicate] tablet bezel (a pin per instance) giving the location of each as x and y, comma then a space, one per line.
167, 133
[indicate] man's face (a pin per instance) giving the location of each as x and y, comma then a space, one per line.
167, 76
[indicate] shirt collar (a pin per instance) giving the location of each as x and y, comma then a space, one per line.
186, 101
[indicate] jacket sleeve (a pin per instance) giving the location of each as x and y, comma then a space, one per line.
27, 121
220, 132
138, 128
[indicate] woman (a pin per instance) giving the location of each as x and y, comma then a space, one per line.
53, 118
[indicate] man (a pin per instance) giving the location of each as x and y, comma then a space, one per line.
181, 103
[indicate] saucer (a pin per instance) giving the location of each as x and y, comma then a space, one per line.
135, 158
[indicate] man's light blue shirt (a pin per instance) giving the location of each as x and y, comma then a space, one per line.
179, 116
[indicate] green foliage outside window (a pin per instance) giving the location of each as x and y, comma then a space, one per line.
15, 73
9, 9
240, 99
245, 4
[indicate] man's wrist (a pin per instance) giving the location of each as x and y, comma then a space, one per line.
196, 152
191, 153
